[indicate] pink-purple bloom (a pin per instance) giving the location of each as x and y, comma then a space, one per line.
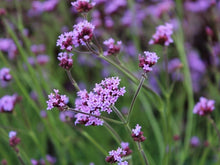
57, 100
66, 116
194, 141
82, 33
112, 47
163, 35
137, 134
199, 5
116, 156
148, 60
42, 59
66, 60
204, 106
65, 41
125, 147
7, 45
104, 95
7, 103
83, 5
13, 139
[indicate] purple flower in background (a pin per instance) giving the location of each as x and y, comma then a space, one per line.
112, 47
199, 5
43, 113
38, 162
163, 35
83, 5
114, 5
137, 134
82, 33
4, 161
66, 116
38, 49
148, 60
7, 103
7, 45
194, 142
65, 41
204, 106
66, 60
51, 159
57, 100
175, 65
5, 75
109, 23
43, 59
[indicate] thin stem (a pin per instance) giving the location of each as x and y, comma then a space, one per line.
20, 159
91, 49
135, 97
166, 66
100, 117
214, 125
72, 80
113, 132
142, 153
119, 114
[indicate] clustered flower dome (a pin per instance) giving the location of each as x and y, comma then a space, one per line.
204, 106
112, 47
147, 60
115, 156
103, 96
137, 134
83, 5
57, 100
7, 103
66, 60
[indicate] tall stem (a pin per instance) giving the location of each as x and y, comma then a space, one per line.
142, 153
102, 117
113, 132
119, 114
20, 159
135, 96
214, 125
72, 80
166, 66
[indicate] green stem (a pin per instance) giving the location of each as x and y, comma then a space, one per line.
142, 153
72, 80
119, 114
135, 97
102, 117
113, 132
215, 126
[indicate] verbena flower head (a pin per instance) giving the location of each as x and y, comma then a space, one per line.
163, 35
116, 156
147, 60
82, 33
38, 162
83, 5
199, 5
66, 60
104, 95
8, 45
137, 134
66, 41
66, 116
7, 103
204, 106
112, 47
42, 59
125, 147
13, 139
57, 100
51, 159
5, 75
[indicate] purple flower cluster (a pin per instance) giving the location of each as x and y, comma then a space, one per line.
163, 35
112, 47
194, 141
57, 100
5, 75
104, 95
116, 156
204, 106
66, 116
66, 60
82, 33
199, 5
13, 139
7, 103
147, 61
125, 147
38, 7
83, 5
38, 49
137, 134
7, 45
52, 160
